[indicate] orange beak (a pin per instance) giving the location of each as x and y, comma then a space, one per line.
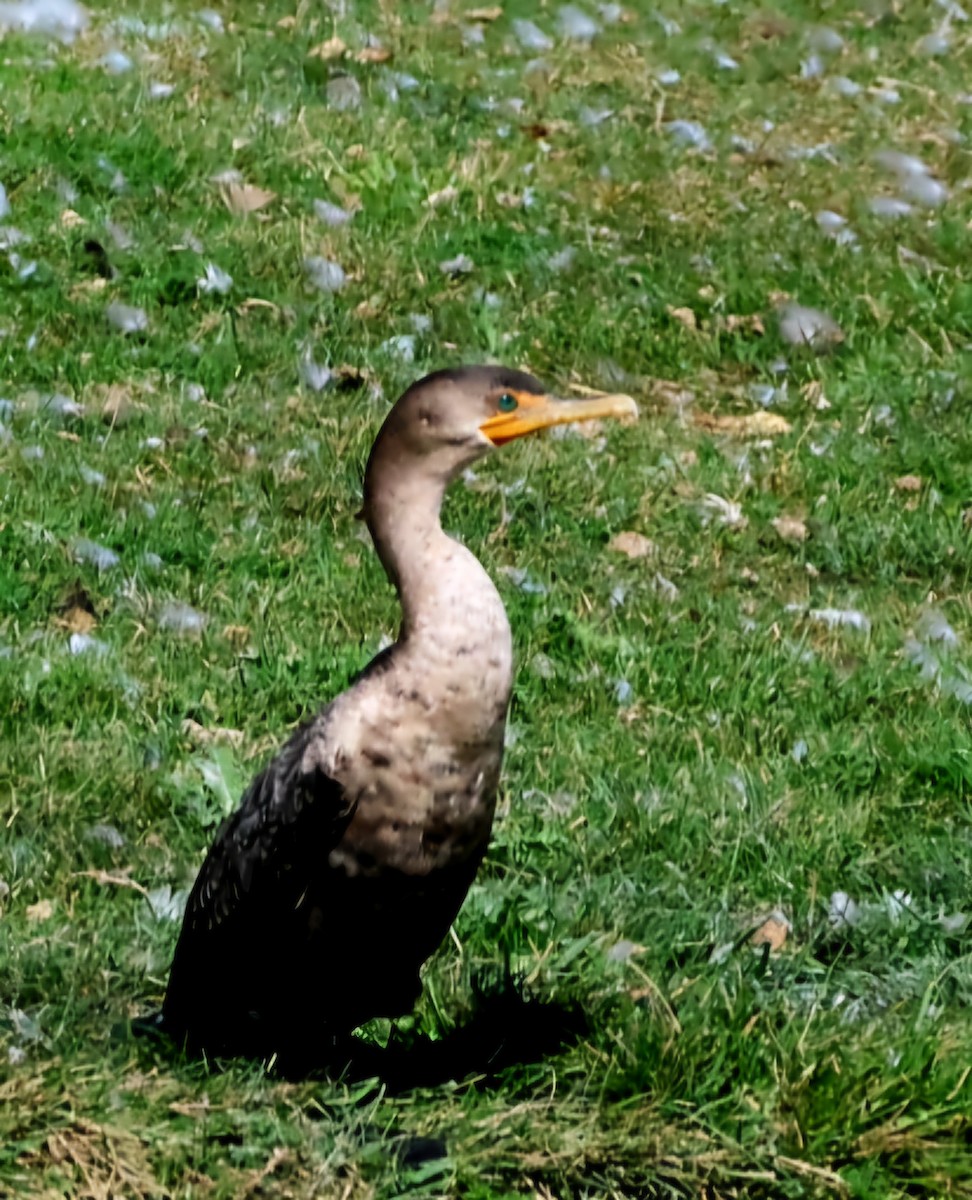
540, 412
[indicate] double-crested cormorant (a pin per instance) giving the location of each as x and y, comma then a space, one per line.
350, 854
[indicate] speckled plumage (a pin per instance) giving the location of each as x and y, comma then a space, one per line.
351, 853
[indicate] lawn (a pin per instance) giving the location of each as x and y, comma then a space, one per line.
736, 821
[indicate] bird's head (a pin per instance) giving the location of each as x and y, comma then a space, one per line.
453, 417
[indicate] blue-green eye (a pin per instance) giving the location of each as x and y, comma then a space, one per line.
507, 403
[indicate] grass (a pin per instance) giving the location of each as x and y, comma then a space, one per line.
684, 762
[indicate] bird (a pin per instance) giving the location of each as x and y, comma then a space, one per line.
350, 854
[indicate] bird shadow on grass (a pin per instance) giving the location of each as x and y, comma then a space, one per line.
505, 1028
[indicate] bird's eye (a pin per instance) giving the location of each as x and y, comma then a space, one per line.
507, 403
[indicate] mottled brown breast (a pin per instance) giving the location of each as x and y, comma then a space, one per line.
418, 829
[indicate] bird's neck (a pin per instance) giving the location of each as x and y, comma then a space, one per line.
448, 600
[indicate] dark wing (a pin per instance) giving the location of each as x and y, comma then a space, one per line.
242, 920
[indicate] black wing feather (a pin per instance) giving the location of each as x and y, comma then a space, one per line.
242, 918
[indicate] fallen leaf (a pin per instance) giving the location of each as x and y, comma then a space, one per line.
237, 634
350, 378
199, 735
684, 316
333, 48
76, 612
812, 392
117, 406
445, 195
72, 220
87, 287
670, 392
745, 323
373, 54
755, 424
632, 544
77, 620
287, 22
772, 932
908, 483
252, 302
244, 198
790, 529
484, 14
43, 910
